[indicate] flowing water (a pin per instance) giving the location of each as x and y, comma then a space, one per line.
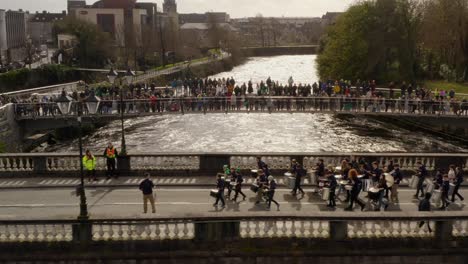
262, 132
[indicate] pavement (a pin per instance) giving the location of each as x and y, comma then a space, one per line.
123, 182
122, 202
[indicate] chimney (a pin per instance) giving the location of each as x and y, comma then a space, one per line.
64, 12
44, 12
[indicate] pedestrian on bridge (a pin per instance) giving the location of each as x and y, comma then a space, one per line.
422, 173
89, 162
220, 186
146, 186
111, 155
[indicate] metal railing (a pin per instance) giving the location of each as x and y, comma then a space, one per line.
336, 226
46, 163
334, 105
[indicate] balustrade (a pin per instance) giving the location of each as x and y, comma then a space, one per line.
53, 162
395, 225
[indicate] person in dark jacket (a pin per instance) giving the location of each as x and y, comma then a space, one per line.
376, 172
421, 174
300, 172
263, 166
398, 177
458, 182
146, 186
332, 185
357, 187
445, 192
271, 192
238, 187
220, 185
320, 168
111, 155
425, 206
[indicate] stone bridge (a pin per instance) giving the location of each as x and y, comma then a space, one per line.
275, 238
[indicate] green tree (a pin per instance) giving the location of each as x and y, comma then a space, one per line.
94, 47
372, 40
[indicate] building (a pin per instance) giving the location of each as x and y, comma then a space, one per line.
124, 20
40, 26
13, 34
66, 41
202, 35
209, 17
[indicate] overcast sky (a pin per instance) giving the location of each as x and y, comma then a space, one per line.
236, 8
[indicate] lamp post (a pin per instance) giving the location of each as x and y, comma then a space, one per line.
122, 160
64, 104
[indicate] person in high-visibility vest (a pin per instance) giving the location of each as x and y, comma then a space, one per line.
111, 155
89, 163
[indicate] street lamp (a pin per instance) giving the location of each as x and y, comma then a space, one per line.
92, 103
81, 190
112, 76
64, 103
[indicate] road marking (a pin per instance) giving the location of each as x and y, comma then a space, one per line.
157, 203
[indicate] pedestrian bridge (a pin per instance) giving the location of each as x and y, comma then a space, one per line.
108, 110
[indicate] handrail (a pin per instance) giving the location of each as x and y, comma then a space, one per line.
38, 89
252, 154
329, 216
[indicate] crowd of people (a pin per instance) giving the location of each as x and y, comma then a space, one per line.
380, 181
193, 95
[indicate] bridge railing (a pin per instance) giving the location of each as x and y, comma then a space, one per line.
251, 104
166, 164
325, 226
68, 87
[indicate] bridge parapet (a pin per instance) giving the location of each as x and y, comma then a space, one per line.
324, 226
166, 164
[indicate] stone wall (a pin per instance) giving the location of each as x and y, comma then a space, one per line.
10, 133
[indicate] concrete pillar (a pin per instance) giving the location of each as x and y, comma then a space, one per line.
443, 230
216, 231
40, 165
82, 232
338, 230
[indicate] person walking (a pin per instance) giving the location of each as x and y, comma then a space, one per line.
398, 177
220, 185
300, 172
271, 192
262, 181
111, 155
146, 186
445, 192
89, 162
458, 181
357, 186
421, 174
425, 206
332, 185
238, 187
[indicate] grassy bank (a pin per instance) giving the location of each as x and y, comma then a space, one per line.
443, 85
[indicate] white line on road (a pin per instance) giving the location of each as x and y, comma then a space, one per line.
157, 203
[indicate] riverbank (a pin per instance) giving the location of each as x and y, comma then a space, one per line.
459, 88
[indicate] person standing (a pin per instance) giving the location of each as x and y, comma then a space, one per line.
425, 206
146, 186
111, 155
300, 172
421, 174
220, 185
263, 166
89, 162
458, 181
271, 192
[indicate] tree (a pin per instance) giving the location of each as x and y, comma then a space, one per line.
372, 40
445, 34
94, 47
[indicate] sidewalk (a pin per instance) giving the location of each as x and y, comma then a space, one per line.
127, 182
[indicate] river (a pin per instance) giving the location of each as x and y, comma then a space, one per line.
262, 132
